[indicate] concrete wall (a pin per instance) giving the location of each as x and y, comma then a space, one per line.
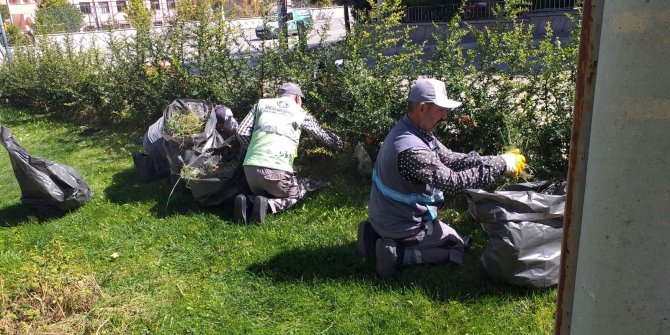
560, 24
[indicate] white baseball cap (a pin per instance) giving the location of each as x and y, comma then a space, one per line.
290, 88
433, 91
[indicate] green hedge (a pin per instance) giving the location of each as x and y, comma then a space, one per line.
516, 93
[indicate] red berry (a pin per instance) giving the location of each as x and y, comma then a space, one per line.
368, 139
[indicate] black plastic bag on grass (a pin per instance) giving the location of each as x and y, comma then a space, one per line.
204, 162
45, 185
216, 175
181, 148
524, 223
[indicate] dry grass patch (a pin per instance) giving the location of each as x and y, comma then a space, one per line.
55, 297
51, 300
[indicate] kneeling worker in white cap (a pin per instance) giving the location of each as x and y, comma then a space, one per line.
412, 175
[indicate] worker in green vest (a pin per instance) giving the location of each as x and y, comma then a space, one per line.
271, 132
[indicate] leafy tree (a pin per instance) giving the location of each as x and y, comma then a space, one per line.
15, 36
57, 16
5, 12
138, 15
196, 10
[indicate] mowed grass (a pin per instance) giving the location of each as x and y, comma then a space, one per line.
186, 269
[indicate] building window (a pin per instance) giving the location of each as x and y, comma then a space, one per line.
85, 7
104, 7
121, 6
156, 4
172, 4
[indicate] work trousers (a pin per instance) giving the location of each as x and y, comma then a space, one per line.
282, 188
436, 243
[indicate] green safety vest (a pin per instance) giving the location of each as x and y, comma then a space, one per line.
274, 142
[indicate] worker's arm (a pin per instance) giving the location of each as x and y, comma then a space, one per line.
420, 166
246, 128
327, 137
458, 161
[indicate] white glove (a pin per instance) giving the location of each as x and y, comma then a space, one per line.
514, 163
229, 124
223, 111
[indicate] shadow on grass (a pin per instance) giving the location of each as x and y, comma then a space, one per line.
126, 189
442, 282
18, 213
183, 203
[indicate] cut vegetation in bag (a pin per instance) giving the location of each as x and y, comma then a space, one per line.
209, 166
189, 129
185, 123
216, 175
213, 163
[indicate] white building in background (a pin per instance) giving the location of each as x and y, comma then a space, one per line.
21, 13
100, 13
97, 13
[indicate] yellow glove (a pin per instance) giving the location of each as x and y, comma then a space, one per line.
515, 162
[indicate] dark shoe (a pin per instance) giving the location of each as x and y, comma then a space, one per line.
260, 209
387, 257
367, 236
137, 157
145, 169
241, 210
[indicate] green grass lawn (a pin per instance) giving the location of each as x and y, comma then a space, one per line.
186, 269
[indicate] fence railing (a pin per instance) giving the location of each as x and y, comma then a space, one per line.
480, 10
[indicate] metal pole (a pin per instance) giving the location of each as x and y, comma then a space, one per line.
615, 276
579, 149
95, 12
283, 13
347, 23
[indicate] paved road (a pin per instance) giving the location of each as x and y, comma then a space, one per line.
335, 32
100, 40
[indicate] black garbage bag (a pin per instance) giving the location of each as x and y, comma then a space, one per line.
45, 185
203, 162
196, 160
524, 223
216, 175
181, 149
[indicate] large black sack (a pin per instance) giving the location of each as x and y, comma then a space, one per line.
45, 185
227, 181
182, 149
193, 153
524, 223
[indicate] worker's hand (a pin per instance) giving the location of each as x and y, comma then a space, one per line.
515, 162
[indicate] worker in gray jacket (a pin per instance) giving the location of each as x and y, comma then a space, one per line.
153, 163
412, 176
271, 132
